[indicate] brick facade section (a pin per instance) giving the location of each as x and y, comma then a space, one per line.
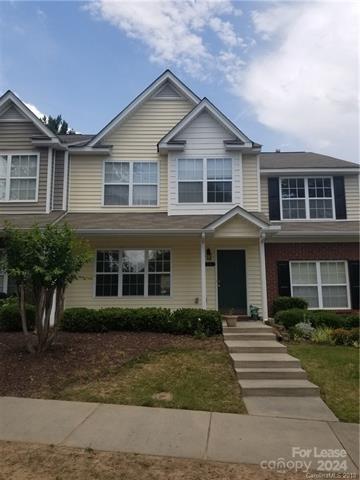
275, 252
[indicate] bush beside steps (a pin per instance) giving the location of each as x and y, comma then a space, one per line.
189, 321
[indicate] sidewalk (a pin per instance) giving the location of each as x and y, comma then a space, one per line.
176, 433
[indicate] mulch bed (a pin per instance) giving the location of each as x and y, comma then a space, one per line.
84, 355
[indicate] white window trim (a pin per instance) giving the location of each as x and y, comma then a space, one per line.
204, 179
319, 284
9, 156
131, 184
307, 199
120, 273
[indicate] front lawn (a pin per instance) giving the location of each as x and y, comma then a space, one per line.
26, 461
336, 370
147, 369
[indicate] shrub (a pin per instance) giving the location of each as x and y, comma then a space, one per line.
82, 320
287, 303
183, 321
341, 336
289, 318
303, 330
351, 321
10, 319
326, 319
322, 335
136, 319
197, 321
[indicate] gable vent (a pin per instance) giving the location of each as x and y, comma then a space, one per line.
167, 91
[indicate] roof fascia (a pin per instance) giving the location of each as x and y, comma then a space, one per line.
148, 92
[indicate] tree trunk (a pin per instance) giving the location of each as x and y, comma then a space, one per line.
22, 307
59, 310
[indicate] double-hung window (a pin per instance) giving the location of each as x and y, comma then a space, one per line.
131, 183
133, 272
323, 284
18, 177
219, 180
204, 180
307, 198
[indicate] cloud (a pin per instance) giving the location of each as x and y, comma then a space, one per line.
35, 110
305, 85
296, 69
173, 30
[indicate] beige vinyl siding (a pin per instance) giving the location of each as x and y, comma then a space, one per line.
185, 275
135, 139
16, 136
250, 183
237, 227
352, 196
58, 181
12, 113
264, 195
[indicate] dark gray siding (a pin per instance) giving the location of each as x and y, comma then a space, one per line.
16, 136
58, 182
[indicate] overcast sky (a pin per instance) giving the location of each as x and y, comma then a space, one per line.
285, 72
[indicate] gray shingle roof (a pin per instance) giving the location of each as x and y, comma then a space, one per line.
75, 138
275, 160
318, 227
27, 221
136, 221
142, 221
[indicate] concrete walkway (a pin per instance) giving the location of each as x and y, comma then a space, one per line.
176, 433
272, 382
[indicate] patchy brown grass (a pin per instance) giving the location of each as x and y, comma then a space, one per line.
24, 461
146, 369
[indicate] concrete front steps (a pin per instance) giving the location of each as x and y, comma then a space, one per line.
262, 365
278, 388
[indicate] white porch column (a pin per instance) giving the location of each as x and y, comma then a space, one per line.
264, 305
203, 271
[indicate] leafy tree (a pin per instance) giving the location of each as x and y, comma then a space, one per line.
43, 262
57, 125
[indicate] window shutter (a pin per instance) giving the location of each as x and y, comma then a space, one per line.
284, 279
340, 202
274, 198
354, 283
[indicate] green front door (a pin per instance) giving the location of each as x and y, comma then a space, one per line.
231, 277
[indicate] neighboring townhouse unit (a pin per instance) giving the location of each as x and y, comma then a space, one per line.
182, 209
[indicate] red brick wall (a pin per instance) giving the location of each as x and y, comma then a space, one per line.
302, 251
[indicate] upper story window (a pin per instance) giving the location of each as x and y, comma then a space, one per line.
131, 183
18, 177
307, 198
204, 180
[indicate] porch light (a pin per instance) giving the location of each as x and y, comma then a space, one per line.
208, 255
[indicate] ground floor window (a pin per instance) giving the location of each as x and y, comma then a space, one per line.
133, 272
323, 284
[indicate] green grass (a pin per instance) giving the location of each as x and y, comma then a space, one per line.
336, 370
193, 379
